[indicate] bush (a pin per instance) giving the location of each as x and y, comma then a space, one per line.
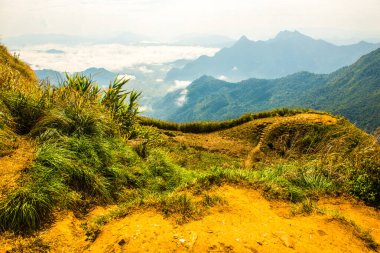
27, 208
365, 179
24, 109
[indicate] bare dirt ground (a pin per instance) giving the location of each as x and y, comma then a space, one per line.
247, 223
12, 165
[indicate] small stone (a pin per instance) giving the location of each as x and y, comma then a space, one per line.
181, 240
122, 242
321, 233
192, 239
286, 240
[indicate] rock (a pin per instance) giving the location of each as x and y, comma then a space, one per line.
251, 249
192, 239
123, 241
286, 240
321, 232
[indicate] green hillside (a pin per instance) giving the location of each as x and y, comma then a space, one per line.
353, 92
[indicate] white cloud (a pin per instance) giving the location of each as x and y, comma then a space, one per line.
159, 80
145, 70
235, 68
114, 57
126, 76
182, 98
222, 77
178, 85
145, 108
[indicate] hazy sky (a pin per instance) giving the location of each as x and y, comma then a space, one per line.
335, 20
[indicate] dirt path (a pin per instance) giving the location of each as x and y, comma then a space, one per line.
12, 165
249, 223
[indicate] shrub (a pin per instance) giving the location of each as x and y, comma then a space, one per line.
27, 208
365, 177
24, 109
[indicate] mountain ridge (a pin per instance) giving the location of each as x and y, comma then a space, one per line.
287, 53
352, 91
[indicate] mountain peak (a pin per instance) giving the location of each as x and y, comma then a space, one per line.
291, 35
243, 41
204, 78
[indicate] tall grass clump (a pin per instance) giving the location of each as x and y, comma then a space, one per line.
121, 103
28, 207
25, 109
161, 175
82, 157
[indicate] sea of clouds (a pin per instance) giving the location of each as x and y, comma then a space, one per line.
113, 57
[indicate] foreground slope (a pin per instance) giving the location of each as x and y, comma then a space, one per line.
248, 210
353, 92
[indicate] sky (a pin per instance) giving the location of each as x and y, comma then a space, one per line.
339, 21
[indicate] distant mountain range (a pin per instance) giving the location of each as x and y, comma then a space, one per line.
352, 91
288, 53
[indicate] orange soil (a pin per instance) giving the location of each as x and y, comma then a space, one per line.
248, 223
12, 165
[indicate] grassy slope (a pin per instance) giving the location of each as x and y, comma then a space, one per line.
91, 152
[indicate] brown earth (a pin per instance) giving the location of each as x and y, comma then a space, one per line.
248, 223
13, 164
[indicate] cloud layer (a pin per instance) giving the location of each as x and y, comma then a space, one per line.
114, 57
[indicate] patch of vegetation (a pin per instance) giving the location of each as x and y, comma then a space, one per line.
33, 245
358, 231
82, 157
197, 159
207, 127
